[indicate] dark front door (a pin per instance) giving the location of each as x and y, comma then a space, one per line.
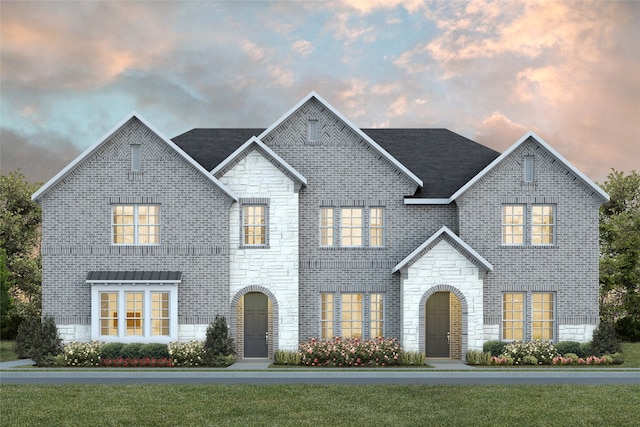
256, 322
437, 323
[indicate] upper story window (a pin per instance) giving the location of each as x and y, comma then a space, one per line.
376, 227
135, 224
543, 221
136, 159
351, 226
513, 224
312, 131
254, 225
326, 226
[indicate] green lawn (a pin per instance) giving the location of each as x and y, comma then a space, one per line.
631, 353
249, 405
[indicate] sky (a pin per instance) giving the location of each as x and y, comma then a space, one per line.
488, 70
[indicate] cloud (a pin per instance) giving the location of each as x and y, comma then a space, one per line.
369, 6
302, 48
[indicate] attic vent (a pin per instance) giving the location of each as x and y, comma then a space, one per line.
529, 168
312, 131
136, 162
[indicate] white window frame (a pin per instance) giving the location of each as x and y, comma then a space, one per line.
537, 228
343, 313
327, 315
136, 157
122, 289
327, 226
381, 320
136, 224
243, 226
528, 172
312, 130
504, 319
351, 228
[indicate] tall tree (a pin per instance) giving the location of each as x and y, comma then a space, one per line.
20, 220
620, 247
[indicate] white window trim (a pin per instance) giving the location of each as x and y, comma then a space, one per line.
363, 323
383, 319
136, 235
267, 225
342, 227
331, 227
523, 226
554, 312
553, 225
146, 289
524, 316
332, 322
381, 227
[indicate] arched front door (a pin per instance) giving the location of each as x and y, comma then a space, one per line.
256, 325
437, 322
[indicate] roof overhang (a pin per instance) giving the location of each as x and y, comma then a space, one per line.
122, 277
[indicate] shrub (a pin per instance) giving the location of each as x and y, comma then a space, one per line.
412, 358
565, 347
628, 329
494, 347
543, 351
111, 350
142, 362
39, 340
618, 358
530, 360
501, 360
187, 354
350, 352
154, 351
605, 340
286, 357
218, 345
477, 357
130, 351
585, 349
81, 354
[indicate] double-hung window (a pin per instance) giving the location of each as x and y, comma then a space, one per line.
376, 227
352, 316
326, 316
513, 312
376, 316
542, 316
543, 222
513, 224
351, 226
254, 225
135, 224
326, 226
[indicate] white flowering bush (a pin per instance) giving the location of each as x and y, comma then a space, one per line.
543, 351
82, 354
187, 353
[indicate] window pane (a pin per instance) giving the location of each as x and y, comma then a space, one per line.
543, 316
513, 224
513, 316
376, 227
134, 313
254, 228
326, 226
543, 223
352, 315
377, 316
326, 316
109, 313
159, 313
351, 226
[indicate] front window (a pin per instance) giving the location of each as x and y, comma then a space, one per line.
513, 316
351, 315
135, 313
351, 226
109, 313
135, 224
513, 224
160, 313
542, 314
254, 228
376, 227
377, 316
326, 227
543, 225
326, 317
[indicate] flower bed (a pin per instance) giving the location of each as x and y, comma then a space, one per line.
120, 362
341, 352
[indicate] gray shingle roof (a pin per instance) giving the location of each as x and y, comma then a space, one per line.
134, 276
444, 160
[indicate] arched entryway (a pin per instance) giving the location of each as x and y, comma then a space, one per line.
254, 323
443, 321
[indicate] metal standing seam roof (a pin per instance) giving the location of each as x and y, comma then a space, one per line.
444, 160
134, 276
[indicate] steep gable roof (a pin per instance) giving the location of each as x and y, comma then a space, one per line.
445, 234
270, 154
89, 151
588, 182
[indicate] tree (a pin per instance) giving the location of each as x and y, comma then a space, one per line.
218, 346
20, 220
620, 248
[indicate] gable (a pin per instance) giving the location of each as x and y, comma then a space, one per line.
115, 147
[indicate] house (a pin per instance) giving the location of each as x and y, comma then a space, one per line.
314, 227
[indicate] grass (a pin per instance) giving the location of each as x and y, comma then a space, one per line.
631, 353
6, 351
249, 405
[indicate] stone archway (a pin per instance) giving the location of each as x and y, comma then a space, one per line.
236, 323
459, 319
